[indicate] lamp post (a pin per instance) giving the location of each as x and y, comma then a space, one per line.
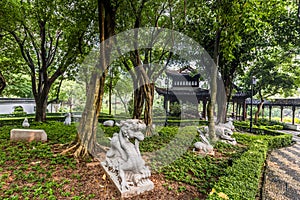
166, 100
253, 82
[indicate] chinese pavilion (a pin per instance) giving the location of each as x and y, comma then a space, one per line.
186, 92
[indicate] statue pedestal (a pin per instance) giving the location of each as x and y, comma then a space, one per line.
133, 190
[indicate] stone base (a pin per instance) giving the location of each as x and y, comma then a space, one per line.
28, 135
133, 190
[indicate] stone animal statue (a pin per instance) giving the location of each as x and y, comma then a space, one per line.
124, 157
223, 132
25, 123
68, 119
109, 123
229, 125
204, 145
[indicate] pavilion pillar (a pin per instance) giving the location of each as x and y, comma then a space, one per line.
237, 110
281, 113
270, 113
165, 103
232, 109
293, 117
244, 117
263, 112
204, 109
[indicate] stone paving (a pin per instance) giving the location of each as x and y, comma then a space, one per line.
282, 178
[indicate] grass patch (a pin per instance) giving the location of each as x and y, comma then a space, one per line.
34, 171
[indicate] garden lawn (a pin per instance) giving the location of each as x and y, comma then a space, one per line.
38, 170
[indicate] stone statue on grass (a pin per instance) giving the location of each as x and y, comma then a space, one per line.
25, 123
124, 159
68, 119
204, 146
223, 132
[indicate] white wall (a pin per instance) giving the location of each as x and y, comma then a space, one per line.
8, 108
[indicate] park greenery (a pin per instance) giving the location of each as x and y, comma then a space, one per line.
59, 52
36, 164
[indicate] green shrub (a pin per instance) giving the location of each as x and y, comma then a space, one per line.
19, 111
242, 178
261, 124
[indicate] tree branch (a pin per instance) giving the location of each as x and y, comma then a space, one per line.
53, 53
33, 43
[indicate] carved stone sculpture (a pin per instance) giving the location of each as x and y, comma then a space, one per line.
68, 119
124, 158
25, 123
204, 146
109, 123
223, 132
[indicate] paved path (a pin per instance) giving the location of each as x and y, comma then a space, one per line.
282, 178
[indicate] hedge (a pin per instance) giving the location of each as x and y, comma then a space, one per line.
19, 120
257, 128
242, 178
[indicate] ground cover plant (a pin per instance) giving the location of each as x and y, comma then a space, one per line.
38, 170
241, 180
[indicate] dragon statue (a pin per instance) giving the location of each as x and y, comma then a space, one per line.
124, 157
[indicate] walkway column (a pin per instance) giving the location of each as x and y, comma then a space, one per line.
233, 109
293, 117
204, 109
237, 111
244, 117
281, 113
270, 113
240, 106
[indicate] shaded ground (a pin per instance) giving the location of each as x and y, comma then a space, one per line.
48, 179
58, 178
282, 179
39, 171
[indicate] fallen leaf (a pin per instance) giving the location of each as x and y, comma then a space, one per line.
223, 195
212, 191
104, 177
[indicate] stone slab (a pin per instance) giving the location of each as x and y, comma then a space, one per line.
28, 135
294, 127
133, 190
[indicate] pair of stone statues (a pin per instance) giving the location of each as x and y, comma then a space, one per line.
224, 133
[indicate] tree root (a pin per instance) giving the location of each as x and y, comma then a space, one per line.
78, 151
69, 150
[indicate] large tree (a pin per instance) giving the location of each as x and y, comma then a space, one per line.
51, 36
145, 65
85, 143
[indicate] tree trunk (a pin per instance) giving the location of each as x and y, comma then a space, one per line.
40, 109
2, 83
213, 88
149, 94
138, 103
41, 99
139, 92
258, 110
222, 101
86, 143
109, 96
